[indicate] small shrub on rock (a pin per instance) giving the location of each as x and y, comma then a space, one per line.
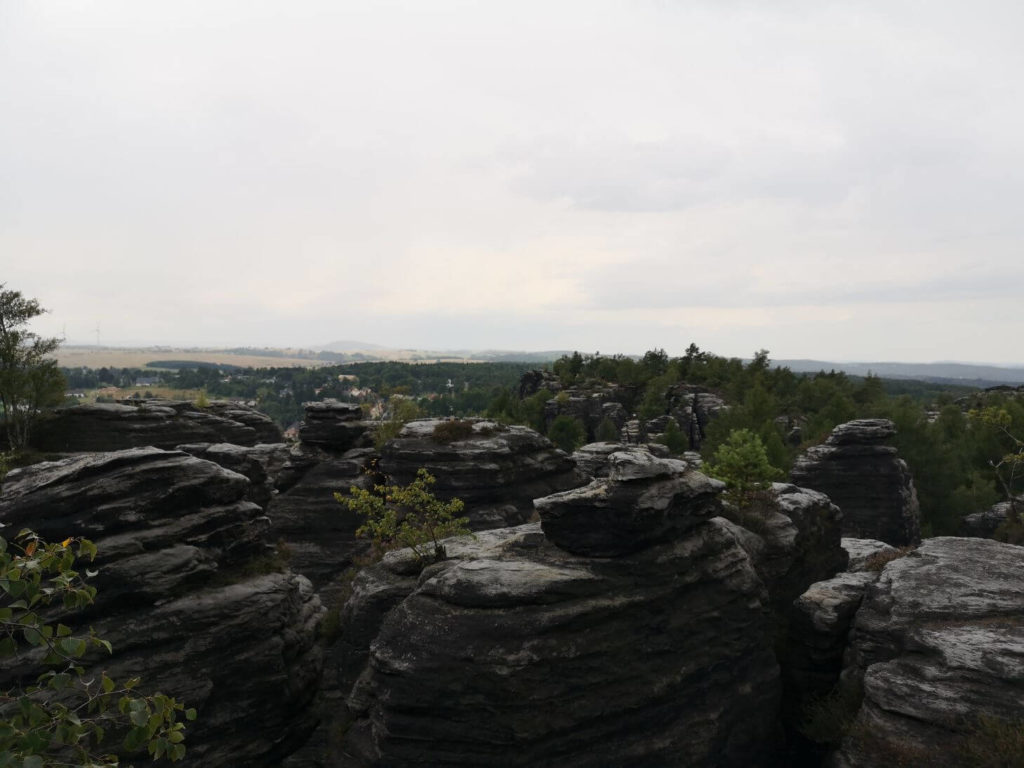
407, 516
742, 463
879, 560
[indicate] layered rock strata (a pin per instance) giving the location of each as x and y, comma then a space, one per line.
261, 464
794, 540
644, 500
937, 647
519, 650
159, 423
320, 533
496, 470
866, 479
335, 425
176, 539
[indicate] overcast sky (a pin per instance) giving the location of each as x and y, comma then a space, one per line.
833, 180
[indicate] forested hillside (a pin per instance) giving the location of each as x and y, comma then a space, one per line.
950, 453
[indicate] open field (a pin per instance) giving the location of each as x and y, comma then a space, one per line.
117, 357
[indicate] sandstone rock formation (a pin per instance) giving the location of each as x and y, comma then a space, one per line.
497, 470
819, 626
335, 425
158, 423
644, 500
938, 644
984, 525
866, 480
319, 532
793, 538
176, 540
261, 464
589, 406
521, 650
517, 653
592, 459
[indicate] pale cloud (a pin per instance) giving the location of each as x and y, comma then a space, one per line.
799, 176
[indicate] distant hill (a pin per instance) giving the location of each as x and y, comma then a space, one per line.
346, 345
939, 373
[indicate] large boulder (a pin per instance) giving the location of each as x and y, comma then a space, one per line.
189, 593
866, 479
496, 470
159, 423
335, 425
261, 464
516, 652
643, 500
938, 646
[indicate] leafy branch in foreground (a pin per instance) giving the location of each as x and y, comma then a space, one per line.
63, 718
407, 516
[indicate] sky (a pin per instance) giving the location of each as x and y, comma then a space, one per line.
829, 180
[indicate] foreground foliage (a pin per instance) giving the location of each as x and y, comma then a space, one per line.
29, 381
64, 717
407, 516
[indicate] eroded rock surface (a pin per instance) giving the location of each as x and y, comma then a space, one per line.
261, 464
643, 500
497, 470
335, 425
938, 642
320, 533
516, 652
176, 538
158, 423
793, 538
866, 480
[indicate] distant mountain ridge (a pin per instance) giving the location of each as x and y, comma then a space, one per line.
966, 373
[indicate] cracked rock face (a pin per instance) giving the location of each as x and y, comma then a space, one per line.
515, 652
866, 480
937, 642
175, 536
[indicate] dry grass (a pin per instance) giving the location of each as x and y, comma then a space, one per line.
881, 559
100, 357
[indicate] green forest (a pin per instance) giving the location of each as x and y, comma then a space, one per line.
953, 454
